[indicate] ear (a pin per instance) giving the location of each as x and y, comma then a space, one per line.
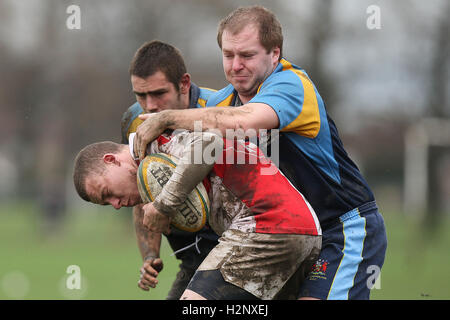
111, 158
185, 83
276, 55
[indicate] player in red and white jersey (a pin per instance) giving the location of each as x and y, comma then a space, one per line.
269, 235
246, 189
268, 229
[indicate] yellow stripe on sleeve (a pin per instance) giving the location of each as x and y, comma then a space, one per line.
226, 102
201, 102
307, 122
133, 127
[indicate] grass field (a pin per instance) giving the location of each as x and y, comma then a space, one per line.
101, 242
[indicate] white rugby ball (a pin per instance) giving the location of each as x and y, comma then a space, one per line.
154, 172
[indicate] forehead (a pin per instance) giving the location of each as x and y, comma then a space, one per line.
245, 39
156, 81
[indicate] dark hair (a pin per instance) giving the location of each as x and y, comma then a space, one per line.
156, 56
89, 161
270, 31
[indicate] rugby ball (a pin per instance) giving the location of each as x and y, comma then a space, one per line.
154, 172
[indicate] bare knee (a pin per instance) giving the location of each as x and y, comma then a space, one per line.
308, 298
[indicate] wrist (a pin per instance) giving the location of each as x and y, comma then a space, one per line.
166, 119
162, 208
151, 256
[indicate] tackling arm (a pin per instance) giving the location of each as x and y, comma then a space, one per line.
249, 116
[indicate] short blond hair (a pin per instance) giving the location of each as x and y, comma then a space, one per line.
90, 161
269, 28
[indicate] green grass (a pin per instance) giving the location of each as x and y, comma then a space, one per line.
99, 241
417, 261
102, 243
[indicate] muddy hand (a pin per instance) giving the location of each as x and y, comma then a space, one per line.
149, 272
154, 220
146, 132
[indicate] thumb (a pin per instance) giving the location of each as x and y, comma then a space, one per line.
157, 264
144, 116
145, 221
168, 229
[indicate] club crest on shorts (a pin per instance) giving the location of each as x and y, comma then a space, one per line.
318, 270
153, 174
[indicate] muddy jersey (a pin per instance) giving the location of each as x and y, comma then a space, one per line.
247, 192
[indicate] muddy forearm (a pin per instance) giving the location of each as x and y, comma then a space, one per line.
149, 243
192, 168
218, 118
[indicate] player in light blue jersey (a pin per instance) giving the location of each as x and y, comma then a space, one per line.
160, 82
267, 91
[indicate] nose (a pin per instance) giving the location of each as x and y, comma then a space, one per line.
115, 202
150, 104
237, 63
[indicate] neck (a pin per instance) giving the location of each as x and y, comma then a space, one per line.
128, 157
245, 98
186, 99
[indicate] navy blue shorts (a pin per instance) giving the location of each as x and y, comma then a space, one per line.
211, 285
353, 251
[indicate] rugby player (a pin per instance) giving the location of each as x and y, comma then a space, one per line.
267, 91
269, 232
160, 82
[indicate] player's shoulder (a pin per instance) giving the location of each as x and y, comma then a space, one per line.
204, 95
223, 97
130, 120
206, 92
286, 72
135, 109
286, 78
289, 70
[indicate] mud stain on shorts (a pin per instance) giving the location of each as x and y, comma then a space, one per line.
260, 263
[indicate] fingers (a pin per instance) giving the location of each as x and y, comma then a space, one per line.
146, 221
147, 131
147, 278
153, 266
149, 272
142, 286
136, 146
141, 148
146, 282
141, 139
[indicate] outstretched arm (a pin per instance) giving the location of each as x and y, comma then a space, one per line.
249, 116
